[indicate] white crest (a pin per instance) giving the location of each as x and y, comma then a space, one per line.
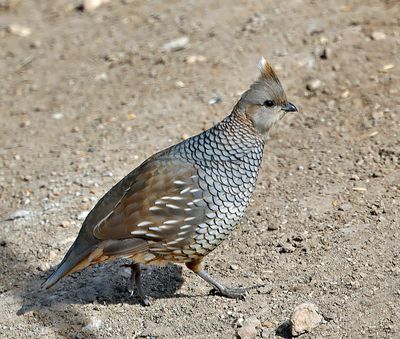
261, 64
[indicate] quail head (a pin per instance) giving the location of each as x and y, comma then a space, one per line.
182, 202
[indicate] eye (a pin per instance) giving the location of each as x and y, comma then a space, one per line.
268, 103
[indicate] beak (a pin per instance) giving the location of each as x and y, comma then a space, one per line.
289, 107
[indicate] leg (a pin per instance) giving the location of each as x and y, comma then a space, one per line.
136, 281
235, 293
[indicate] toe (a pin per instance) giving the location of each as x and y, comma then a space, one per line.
146, 301
233, 293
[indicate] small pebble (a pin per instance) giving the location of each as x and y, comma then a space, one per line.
131, 116
19, 30
185, 136
377, 115
234, 267
179, 84
176, 44
313, 84
345, 94
326, 53
93, 325
83, 215
101, 77
214, 100
193, 59
19, 214
344, 207
308, 62
25, 123
91, 5
359, 189
286, 248
65, 223
378, 36
35, 44
43, 267
323, 40
304, 318
249, 329
386, 68
267, 324
272, 227
57, 115
52, 255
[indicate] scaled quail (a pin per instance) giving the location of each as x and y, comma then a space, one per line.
182, 202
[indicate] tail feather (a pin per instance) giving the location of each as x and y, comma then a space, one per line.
67, 265
79, 256
85, 246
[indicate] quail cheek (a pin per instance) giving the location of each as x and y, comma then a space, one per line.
263, 120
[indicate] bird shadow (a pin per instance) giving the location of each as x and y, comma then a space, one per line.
57, 309
104, 284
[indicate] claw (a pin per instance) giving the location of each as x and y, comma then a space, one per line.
214, 291
136, 284
233, 293
146, 301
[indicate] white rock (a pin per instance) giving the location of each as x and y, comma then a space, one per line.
249, 329
19, 30
234, 267
91, 5
192, 59
57, 115
179, 84
93, 325
378, 35
308, 62
19, 214
176, 44
214, 100
313, 84
43, 267
101, 77
304, 318
83, 215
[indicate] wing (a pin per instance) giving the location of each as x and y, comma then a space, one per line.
163, 205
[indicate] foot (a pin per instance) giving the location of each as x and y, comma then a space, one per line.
145, 300
135, 283
233, 293
218, 288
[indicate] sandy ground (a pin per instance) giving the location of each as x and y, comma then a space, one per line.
86, 97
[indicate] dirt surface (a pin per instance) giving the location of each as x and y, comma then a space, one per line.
86, 97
